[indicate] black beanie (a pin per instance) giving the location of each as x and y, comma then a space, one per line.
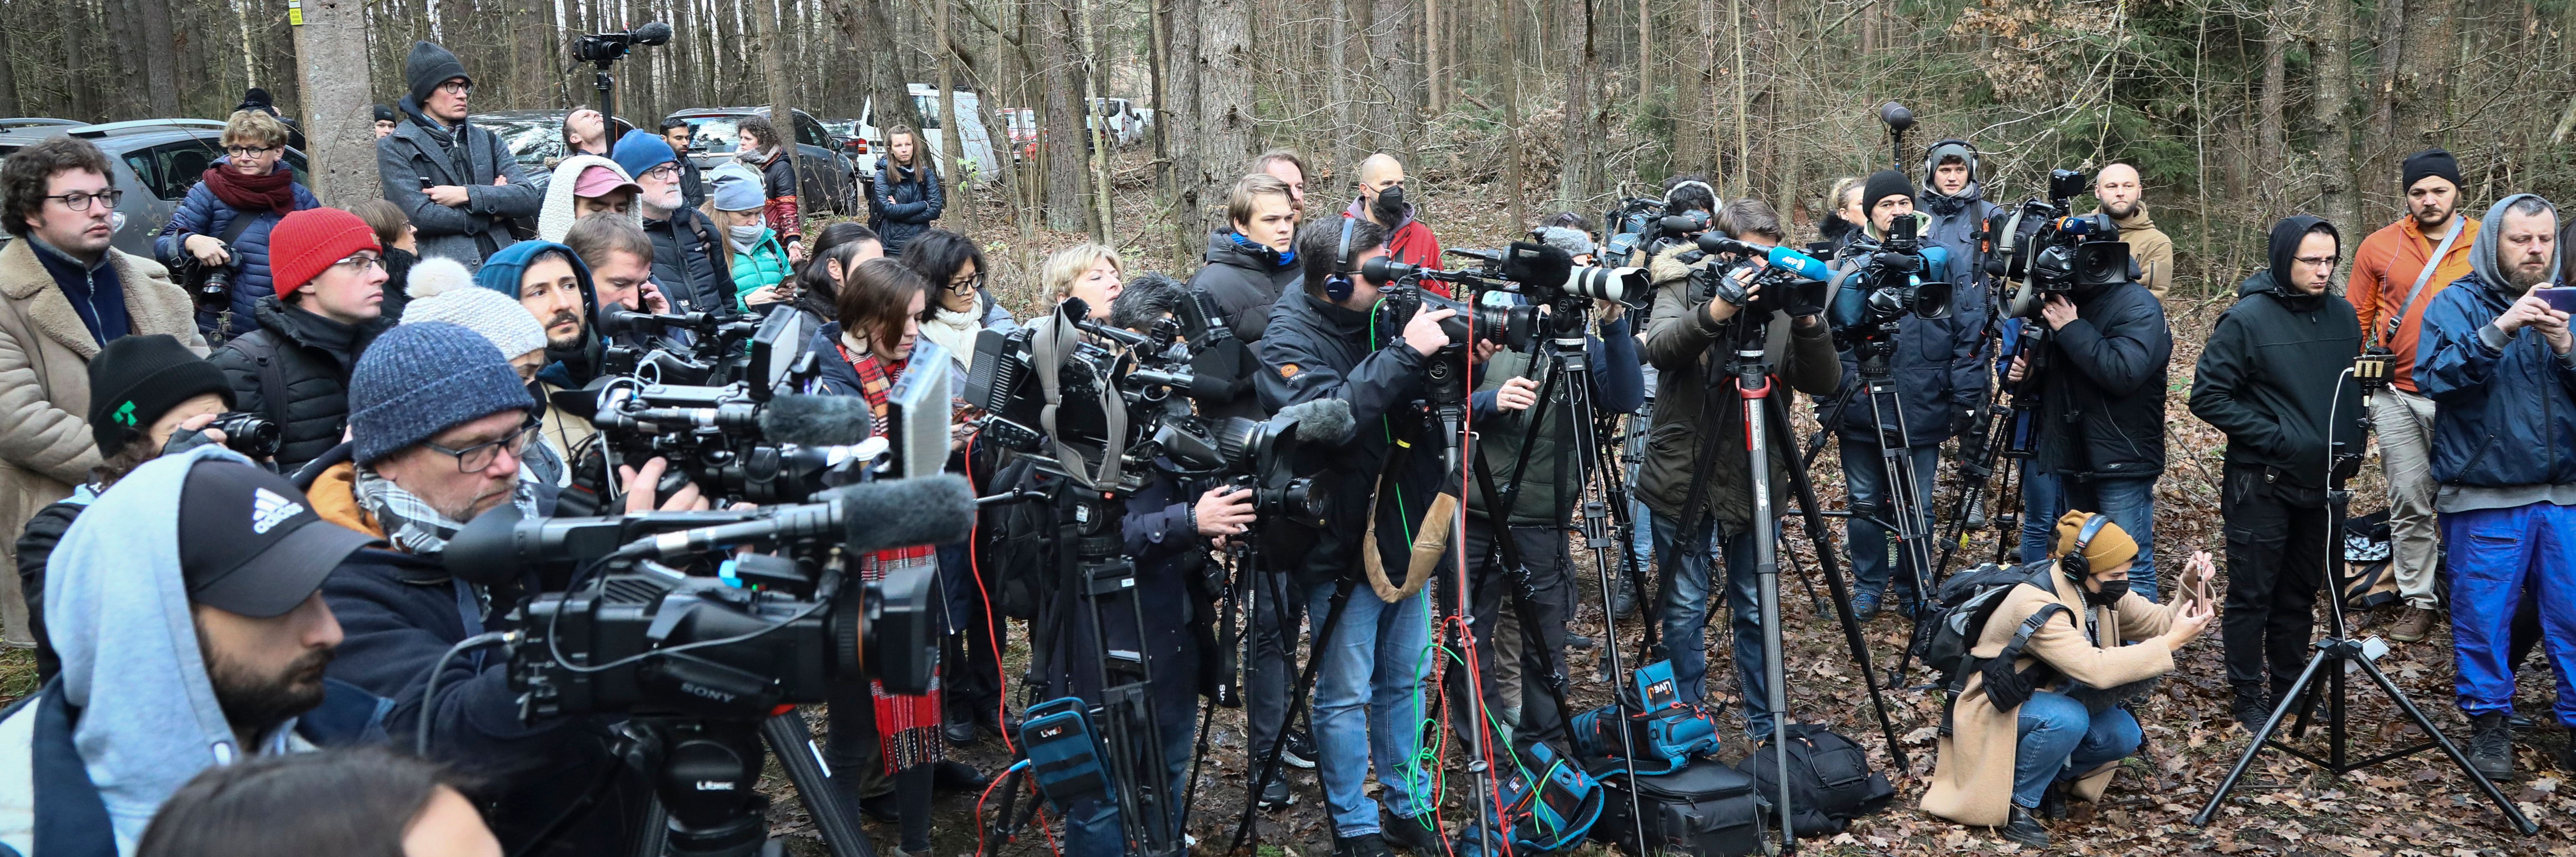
386, 114
136, 379
2431, 162
1884, 184
426, 67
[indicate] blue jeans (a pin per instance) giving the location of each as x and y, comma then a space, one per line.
1368, 703
2497, 559
1091, 827
1641, 520
1684, 608
2043, 499
2060, 740
1871, 543
2131, 503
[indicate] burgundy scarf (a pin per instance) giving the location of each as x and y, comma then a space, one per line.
272, 192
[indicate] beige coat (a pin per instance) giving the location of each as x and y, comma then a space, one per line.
1972, 775
45, 445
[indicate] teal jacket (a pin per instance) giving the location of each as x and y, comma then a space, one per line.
766, 265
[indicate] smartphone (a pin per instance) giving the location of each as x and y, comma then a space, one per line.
2562, 299
426, 183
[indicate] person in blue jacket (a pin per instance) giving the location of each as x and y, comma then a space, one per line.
250, 181
907, 197
187, 608
2500, 366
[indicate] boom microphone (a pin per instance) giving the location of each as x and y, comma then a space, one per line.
1324, 421
816, 420
654, 33
1530, 262
928, 510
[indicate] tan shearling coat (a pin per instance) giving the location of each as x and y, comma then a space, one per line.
45, 445
1972, 775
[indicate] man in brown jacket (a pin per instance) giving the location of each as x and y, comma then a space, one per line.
1996, 763
1687, 339
64, 293
2124, 200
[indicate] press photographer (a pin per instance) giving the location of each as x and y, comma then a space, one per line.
1319, 345
1703, 482
2039, 718
2500, 366
218, 242
2273, 377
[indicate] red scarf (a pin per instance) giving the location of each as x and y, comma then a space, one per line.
876, 380
274, 191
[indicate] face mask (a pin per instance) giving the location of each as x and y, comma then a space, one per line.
743, 236
2112, 592
1389, 207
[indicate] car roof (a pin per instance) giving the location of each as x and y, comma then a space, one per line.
144, 126
696, 112
38, 122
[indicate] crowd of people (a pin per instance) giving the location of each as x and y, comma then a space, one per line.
206, 621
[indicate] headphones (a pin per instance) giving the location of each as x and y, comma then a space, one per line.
2074, 564
1932, 166
1338, 285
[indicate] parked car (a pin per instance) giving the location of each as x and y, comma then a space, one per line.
155, 163
846, 137
826, 178
1124, 129
535, 138
17, 122
977, 141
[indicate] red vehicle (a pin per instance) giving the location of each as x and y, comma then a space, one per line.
1023, 123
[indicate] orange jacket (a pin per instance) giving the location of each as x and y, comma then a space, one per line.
2384, 271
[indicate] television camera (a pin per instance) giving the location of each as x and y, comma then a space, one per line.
2045, 249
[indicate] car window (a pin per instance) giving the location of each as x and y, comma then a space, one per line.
928, 107
530, 143
170, 169
714, 134
810, 134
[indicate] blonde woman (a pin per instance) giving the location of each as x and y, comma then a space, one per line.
1087, 271
225, 219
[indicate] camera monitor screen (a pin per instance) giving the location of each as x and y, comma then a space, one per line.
917, 413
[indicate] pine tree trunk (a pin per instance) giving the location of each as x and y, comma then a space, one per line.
1225, 96
2332, 25
2267, 125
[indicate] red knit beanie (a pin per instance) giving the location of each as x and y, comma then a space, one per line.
305, 242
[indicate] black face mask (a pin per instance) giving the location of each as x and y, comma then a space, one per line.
2112, 592
1389, 207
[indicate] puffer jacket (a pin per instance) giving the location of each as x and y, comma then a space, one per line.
1686, 353
1316, 350
904, 207
1245, 280
2102, 401
688, 262
295, 371
765, 266
1939, 369
481, 227
2272, 372
204, 213
2504, 410
784, 209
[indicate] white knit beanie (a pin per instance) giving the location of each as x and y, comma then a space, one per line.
442, 290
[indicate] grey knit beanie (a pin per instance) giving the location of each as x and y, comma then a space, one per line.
427, 66
421, 379
442, 290
735, 187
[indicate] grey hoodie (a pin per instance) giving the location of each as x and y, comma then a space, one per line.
117, 610
2482, 251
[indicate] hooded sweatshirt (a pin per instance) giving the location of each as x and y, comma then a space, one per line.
565, 368
556, 216
2504, 421
2272, 374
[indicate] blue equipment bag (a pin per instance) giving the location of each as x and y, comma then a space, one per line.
1549, 803
1064, 753
1667, 731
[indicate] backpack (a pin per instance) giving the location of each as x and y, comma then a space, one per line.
1960, 610
1666, 731
1830, 782
1700, 810
2370, 572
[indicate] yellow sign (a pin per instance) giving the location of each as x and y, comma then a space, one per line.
295, 13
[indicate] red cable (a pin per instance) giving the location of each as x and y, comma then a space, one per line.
1458, 535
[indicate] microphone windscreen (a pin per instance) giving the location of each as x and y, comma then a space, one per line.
898, 513
654, 33
816, 420
1324, 421
1800, 263
1529, 262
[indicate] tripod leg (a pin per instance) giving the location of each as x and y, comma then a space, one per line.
1821, 538
2494, 795
793, 743
2307, 677
1296, 703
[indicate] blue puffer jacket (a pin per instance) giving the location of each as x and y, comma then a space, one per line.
904, 207
2504, 405
202, 213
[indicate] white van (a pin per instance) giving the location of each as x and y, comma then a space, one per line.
970, 129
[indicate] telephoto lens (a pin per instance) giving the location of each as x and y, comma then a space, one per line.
249, 434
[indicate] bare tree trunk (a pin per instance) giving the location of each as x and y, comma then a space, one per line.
1179, 123
1100, 143
1398, 72
1345, 113
1512, 120
160, 69
2381, 134
1066, 208
2267, 126
2332, 23
1743, 183
952, 140
1645, 57
338, 126
8, 81
1225, 95
773, 66
1431, 53
1578, 182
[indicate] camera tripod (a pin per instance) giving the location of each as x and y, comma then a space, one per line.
2336, 655
703, 771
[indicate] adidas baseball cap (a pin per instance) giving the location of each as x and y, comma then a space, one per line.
250, 544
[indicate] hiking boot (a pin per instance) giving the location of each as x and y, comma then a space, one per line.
960, 733
1864, 606
2024, 829
1275, 793
2414, 625
1363, 845
2052, 803
2251, 708
2491, 747
956, 776
1418, 834
1623, 600
1297, 749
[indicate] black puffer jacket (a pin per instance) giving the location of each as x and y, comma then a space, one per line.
2272, 372
2102, 397
686, 263
904, 207
1316, 350
1245, 281
309, 358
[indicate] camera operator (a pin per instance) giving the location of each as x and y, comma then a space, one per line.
2270, 377
294, 369
1955, 212
1368, 684
2001, 764
1685, 196
192, 636
1940, 384
1382, 202
1683, 341
1251, 262
457, 182
620, 257
2101, 420
1538, 520
224, 224
688, 256
2396, 273
2500, 366
438, 424
2123, 200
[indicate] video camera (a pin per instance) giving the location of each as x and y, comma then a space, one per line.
1886, 280
1628, 227
714, 354
1788, 281
605, 48
2046, 249
1538, 272
747, 634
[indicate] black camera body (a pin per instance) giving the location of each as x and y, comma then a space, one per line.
2045, 249
1768, 289
249, 434
1889, 280
604, 48
209, 286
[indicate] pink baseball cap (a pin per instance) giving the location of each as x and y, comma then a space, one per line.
598, 181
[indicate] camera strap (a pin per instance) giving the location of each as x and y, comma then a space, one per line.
2431, 263
1047, 350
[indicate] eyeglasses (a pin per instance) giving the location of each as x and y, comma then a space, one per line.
78, 201
663, 173
456, 87
360, 262
474, 459
2315, 261
247, 151
967, 285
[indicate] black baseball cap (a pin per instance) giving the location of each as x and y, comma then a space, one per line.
250, 544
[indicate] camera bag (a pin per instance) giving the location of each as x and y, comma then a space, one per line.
1830, 782
1667, 732
1548, 802
1064, 752
2370, 578
1703, 810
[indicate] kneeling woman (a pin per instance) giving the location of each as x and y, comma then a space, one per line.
2098, 646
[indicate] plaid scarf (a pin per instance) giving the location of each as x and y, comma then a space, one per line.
410, 523
876, 380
